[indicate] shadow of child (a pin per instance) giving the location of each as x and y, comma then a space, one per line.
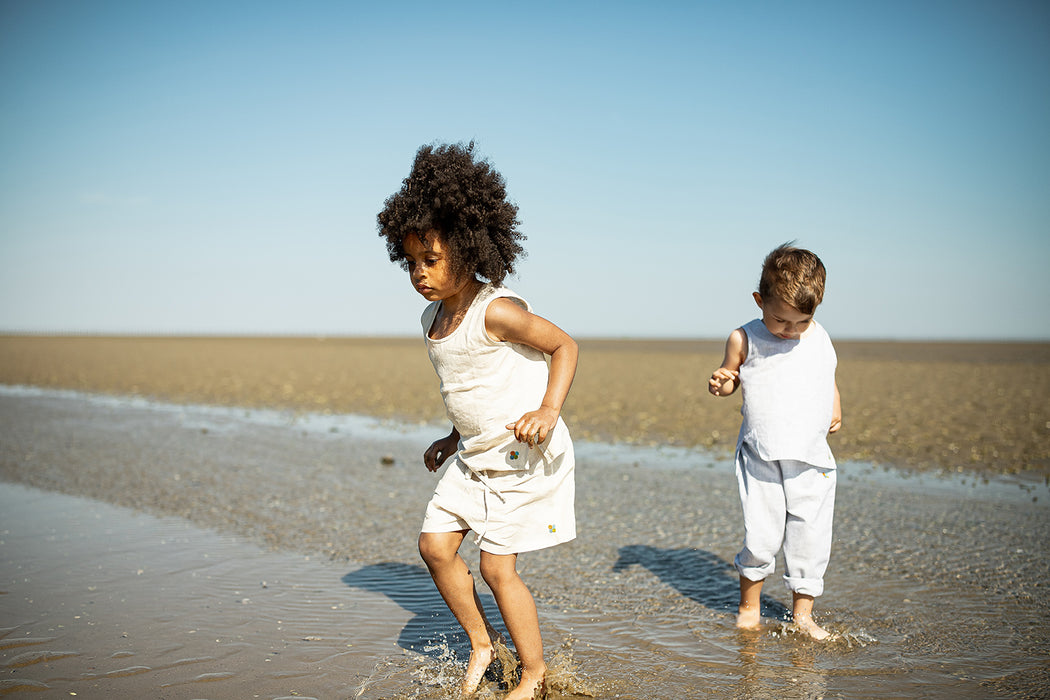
433, 631
697, 574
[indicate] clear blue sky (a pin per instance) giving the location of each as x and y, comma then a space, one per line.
216, 167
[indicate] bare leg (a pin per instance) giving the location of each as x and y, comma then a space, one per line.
803, 616
440, 551
518, 609
749, 614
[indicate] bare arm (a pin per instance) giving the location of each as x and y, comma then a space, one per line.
440, 450
836, 412
725, 380
507, 321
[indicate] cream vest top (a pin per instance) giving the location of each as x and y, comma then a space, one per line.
487, 384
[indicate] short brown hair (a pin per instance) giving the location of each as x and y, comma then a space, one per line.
795, 276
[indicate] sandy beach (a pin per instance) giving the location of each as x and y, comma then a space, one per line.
215, 518
916, 406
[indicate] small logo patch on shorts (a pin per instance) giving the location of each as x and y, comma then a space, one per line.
552, 528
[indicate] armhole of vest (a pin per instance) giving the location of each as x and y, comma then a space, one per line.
427, 319
831, 347
488, 339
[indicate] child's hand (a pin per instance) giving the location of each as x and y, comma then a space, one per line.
534, 426
440, 450
722, 382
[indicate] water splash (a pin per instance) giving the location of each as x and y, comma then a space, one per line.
437, 674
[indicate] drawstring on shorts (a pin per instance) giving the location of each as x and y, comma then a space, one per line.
547, 458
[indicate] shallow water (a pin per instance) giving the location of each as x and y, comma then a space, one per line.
102, 602
937, 586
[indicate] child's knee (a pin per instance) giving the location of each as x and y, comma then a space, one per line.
425, 545
433, 549
497, 569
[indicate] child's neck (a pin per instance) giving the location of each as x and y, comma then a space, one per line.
453, 308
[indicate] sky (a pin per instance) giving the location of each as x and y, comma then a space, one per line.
216, 167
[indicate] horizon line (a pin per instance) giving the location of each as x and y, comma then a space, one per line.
189, 335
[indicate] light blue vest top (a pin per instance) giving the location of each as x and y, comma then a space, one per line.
789, 395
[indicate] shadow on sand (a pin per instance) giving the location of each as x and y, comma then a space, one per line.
698, 575
433, 629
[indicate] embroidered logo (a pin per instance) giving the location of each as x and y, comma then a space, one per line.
552, 528
514, 454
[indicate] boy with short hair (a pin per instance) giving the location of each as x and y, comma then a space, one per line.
785, 363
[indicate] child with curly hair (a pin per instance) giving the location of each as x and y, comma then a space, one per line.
512, 477
785, 363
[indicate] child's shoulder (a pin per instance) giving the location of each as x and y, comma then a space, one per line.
498, 295
753, 328
819, 332
502, 308
753, 324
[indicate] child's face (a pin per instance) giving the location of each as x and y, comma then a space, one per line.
429, 267
782, 319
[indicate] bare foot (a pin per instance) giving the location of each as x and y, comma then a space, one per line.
810, 627
531, 686
748, 619
479, 661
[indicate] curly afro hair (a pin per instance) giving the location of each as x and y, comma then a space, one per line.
464, 200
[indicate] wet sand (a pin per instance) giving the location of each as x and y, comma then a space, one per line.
937, 586
916, 406
103, 602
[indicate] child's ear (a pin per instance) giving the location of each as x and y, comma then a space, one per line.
758, 298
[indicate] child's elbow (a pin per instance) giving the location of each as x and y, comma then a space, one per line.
567, 347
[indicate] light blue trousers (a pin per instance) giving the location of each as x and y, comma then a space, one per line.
787, 505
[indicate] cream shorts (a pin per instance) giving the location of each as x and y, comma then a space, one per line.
510, 512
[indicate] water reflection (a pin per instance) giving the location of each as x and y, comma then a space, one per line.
763, 675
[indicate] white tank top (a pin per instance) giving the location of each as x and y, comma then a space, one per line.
487, 384
789, 395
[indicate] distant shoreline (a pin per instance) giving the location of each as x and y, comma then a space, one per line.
205, 335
